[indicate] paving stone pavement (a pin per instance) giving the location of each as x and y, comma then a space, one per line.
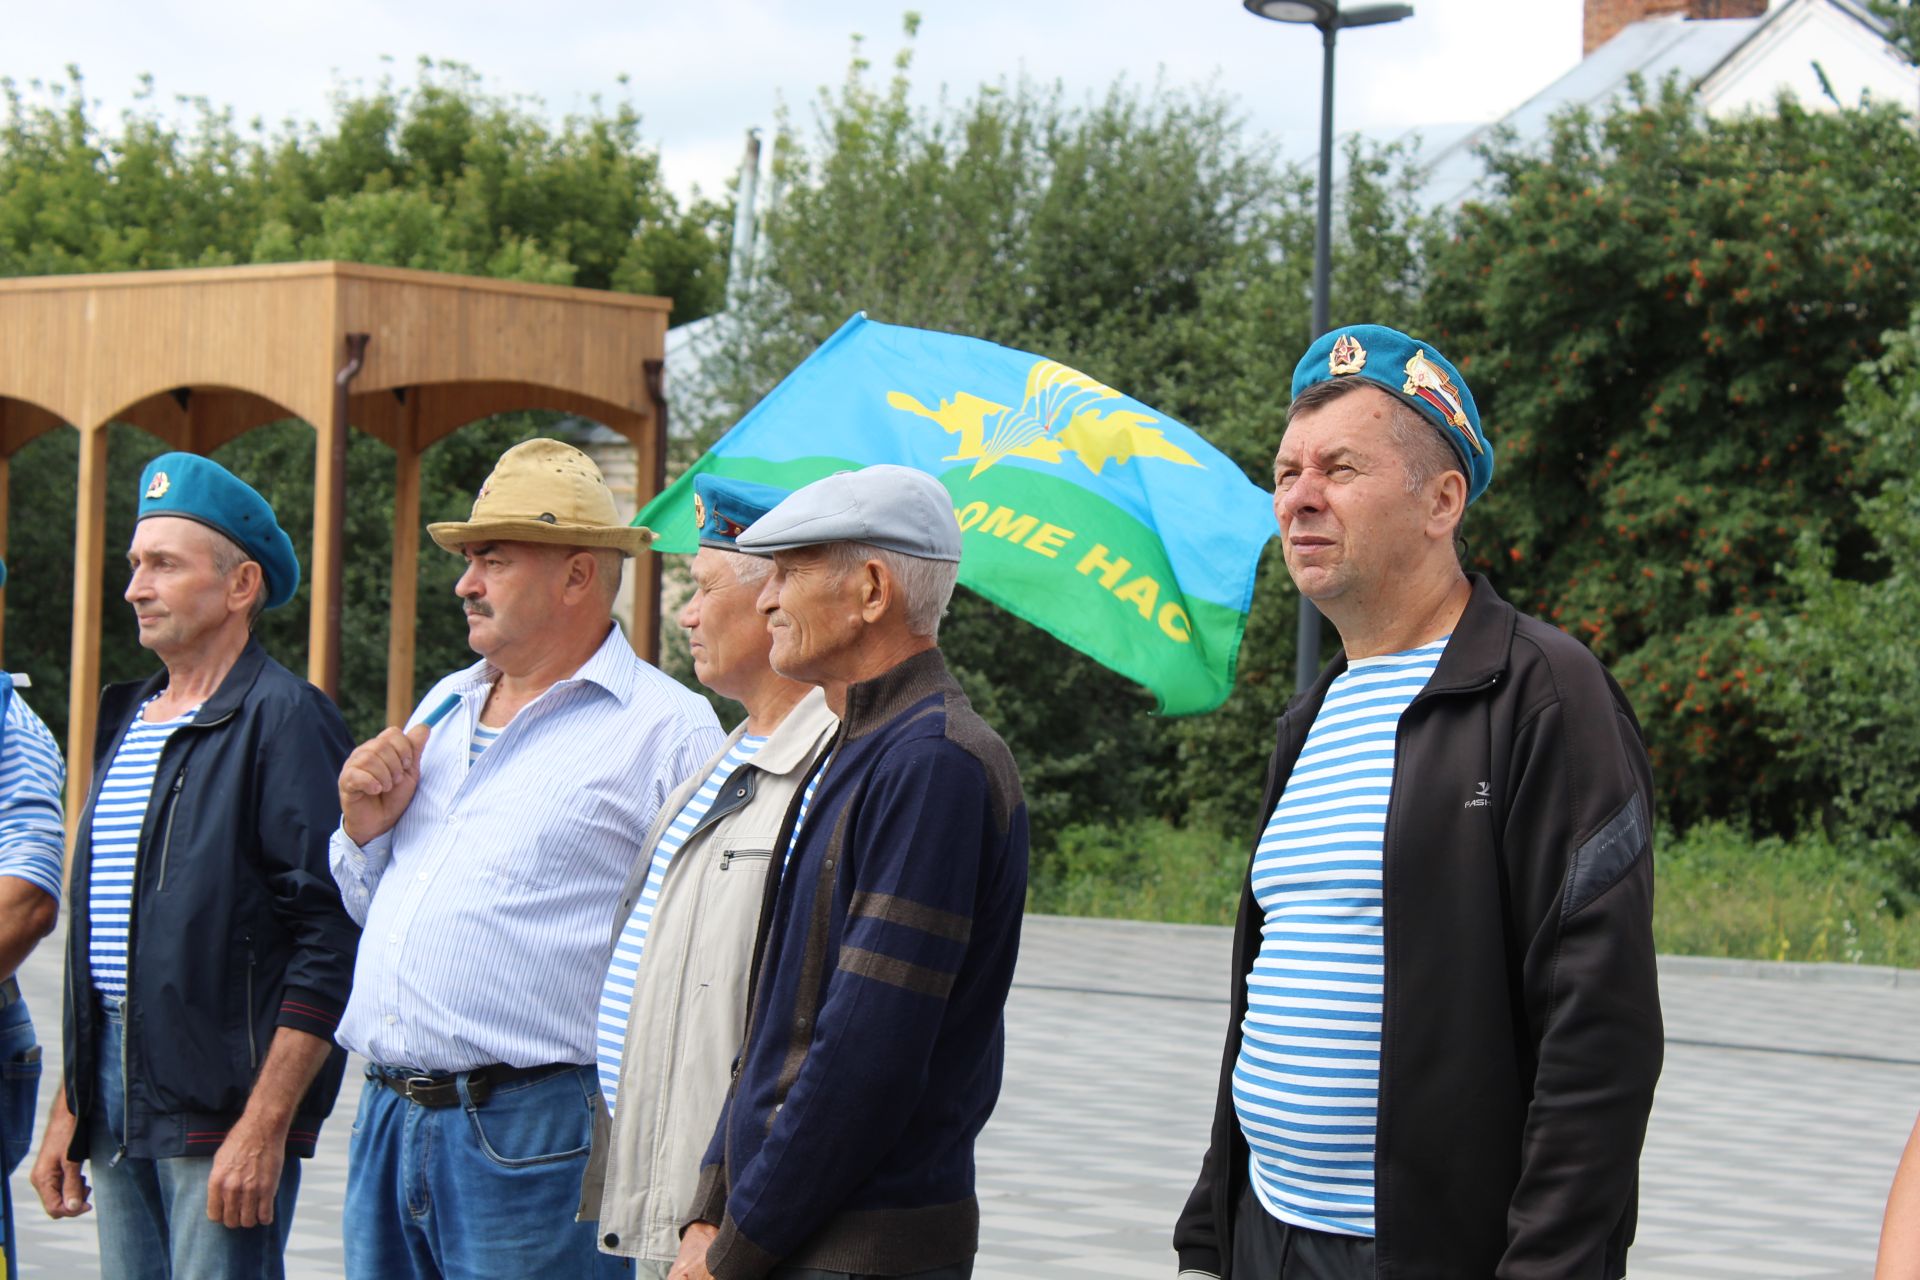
1779, 1119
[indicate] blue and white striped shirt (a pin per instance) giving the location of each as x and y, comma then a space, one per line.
806, 801
616, 995
32, 823
1306, 1085
121, 810
487, 911
483, 736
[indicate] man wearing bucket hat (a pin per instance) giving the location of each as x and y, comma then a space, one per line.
1446, 1027
875, 1039
674, 1001
208, 953
484, 848
32, 842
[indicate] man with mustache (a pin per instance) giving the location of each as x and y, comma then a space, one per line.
1446, 1024
484, 848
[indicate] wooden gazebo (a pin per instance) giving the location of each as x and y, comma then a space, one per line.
200, 357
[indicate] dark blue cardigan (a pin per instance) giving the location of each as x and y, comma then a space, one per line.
875, 1043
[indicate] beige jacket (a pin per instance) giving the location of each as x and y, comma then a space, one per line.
689, 999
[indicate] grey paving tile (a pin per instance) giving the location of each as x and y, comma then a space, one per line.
1780, 1117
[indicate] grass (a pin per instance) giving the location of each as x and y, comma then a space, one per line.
1719, 892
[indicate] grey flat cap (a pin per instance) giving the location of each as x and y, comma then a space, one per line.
897, 508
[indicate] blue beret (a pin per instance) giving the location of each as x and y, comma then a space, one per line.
197, 488
723, 507
1413, 372
3, 573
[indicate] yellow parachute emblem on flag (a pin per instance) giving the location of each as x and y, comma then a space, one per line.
1060, 413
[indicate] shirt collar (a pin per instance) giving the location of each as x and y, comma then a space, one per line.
614, 666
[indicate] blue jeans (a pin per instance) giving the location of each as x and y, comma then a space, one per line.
19, 1099
474, 1192
152, 1214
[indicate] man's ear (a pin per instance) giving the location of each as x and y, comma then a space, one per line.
247, 575
876, 590
582, 570
1446, 503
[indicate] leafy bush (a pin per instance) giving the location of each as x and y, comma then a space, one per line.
1141, 870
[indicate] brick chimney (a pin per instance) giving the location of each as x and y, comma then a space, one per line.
1605, 18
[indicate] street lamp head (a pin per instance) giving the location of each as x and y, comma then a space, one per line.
1313, 11
1327, 13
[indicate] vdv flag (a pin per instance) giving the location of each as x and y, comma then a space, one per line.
1083, 511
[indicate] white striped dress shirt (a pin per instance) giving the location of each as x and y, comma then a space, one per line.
32, 823
119, 813
1307, 1082
487, 911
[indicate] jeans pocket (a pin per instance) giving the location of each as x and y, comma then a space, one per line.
19, 1103
542, 1123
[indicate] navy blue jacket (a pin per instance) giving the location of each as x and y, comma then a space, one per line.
875, 1038
237, 926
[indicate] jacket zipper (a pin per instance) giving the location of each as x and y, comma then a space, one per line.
166, 839
744, 855
253, 1050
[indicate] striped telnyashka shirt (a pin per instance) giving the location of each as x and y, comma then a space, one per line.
616, 995
32, 824
1306, 1085
118, 815
483, 737
800, 818
487, 912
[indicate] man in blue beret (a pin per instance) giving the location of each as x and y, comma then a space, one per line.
208, 953
32, 842
1446, 1026
674, 1001
875, 1040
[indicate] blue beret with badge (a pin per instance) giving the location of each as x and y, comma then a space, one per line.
723, 507
1413, 372
200, 489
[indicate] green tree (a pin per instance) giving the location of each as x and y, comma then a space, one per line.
1658, 314
439, 174
1841, 693
1142, 237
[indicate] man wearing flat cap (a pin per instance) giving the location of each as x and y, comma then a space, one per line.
208, 952
875, 1038
484, 848
673, 1007
1445, 1027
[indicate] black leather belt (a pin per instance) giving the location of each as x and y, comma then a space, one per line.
442, 1089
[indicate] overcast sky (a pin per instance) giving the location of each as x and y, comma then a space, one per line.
702, 72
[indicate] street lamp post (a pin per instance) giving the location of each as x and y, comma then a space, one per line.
1331, 19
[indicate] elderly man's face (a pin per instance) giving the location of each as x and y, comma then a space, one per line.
725, 629
812, 612
512, 593
179, 598
1347, 522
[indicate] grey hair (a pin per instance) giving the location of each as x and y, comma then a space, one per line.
228, 555
925, 585
747, 569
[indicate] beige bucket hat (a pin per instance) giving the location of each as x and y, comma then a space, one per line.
544, 491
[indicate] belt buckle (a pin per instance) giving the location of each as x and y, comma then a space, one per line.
414, 1086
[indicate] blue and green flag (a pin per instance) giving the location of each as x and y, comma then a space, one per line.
1083, 511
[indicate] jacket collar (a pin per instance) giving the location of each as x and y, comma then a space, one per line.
873, 703
1480, 649
791, 743
233, 690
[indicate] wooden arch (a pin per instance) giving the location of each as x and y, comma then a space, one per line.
200, 357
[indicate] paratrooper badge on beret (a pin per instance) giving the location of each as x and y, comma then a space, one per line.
1427, 382
723, 507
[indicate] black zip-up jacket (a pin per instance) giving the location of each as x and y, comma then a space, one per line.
1521, 1033
237, 926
